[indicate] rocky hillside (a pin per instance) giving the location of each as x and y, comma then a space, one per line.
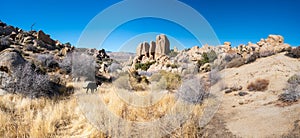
34, 64
158, 56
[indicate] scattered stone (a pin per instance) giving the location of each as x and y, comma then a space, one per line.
205, 68
228, 91
242, 93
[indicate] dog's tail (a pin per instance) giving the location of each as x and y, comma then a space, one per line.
84, 87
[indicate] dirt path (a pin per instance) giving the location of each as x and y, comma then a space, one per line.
258, 114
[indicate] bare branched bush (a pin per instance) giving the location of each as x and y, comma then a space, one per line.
66, 64
258, 85
30, 83
47, 61
192, 91
80, 64
114, 67
122, 82
214, 76
83, 65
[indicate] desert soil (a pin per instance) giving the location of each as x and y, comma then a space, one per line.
258, 114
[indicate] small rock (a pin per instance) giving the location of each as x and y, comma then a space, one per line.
228, 91
242, 93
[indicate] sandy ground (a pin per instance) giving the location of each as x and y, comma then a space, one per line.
259, 114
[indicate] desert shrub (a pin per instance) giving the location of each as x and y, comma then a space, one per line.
80, 65
192, 91
173, 80
258, 85
32, 84
114, 67
143, 66
208, 57
66, 64
47, 61
173, 53
155, 77
292, 90
295, 79
122, 82
214, 76
171, 65
166, 80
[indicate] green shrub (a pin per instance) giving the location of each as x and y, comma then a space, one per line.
207, 58
171, 65
143, 66
173, 54
295, 79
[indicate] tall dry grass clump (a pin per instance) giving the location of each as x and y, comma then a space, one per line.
39, 118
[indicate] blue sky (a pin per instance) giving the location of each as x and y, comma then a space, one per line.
236, 21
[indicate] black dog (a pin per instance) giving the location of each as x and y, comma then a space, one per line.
92, 86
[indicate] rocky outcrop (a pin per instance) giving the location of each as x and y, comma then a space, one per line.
143, 50
155, 51
162, 45
45, 38
274, 43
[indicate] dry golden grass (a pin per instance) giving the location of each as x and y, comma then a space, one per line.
83, 116
120, 113
24, 117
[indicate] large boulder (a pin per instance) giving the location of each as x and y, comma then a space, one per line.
45, 38
162, 45
11, 59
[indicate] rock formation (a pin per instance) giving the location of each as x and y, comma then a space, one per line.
45, 38
46, 56
154, 51
162, 46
